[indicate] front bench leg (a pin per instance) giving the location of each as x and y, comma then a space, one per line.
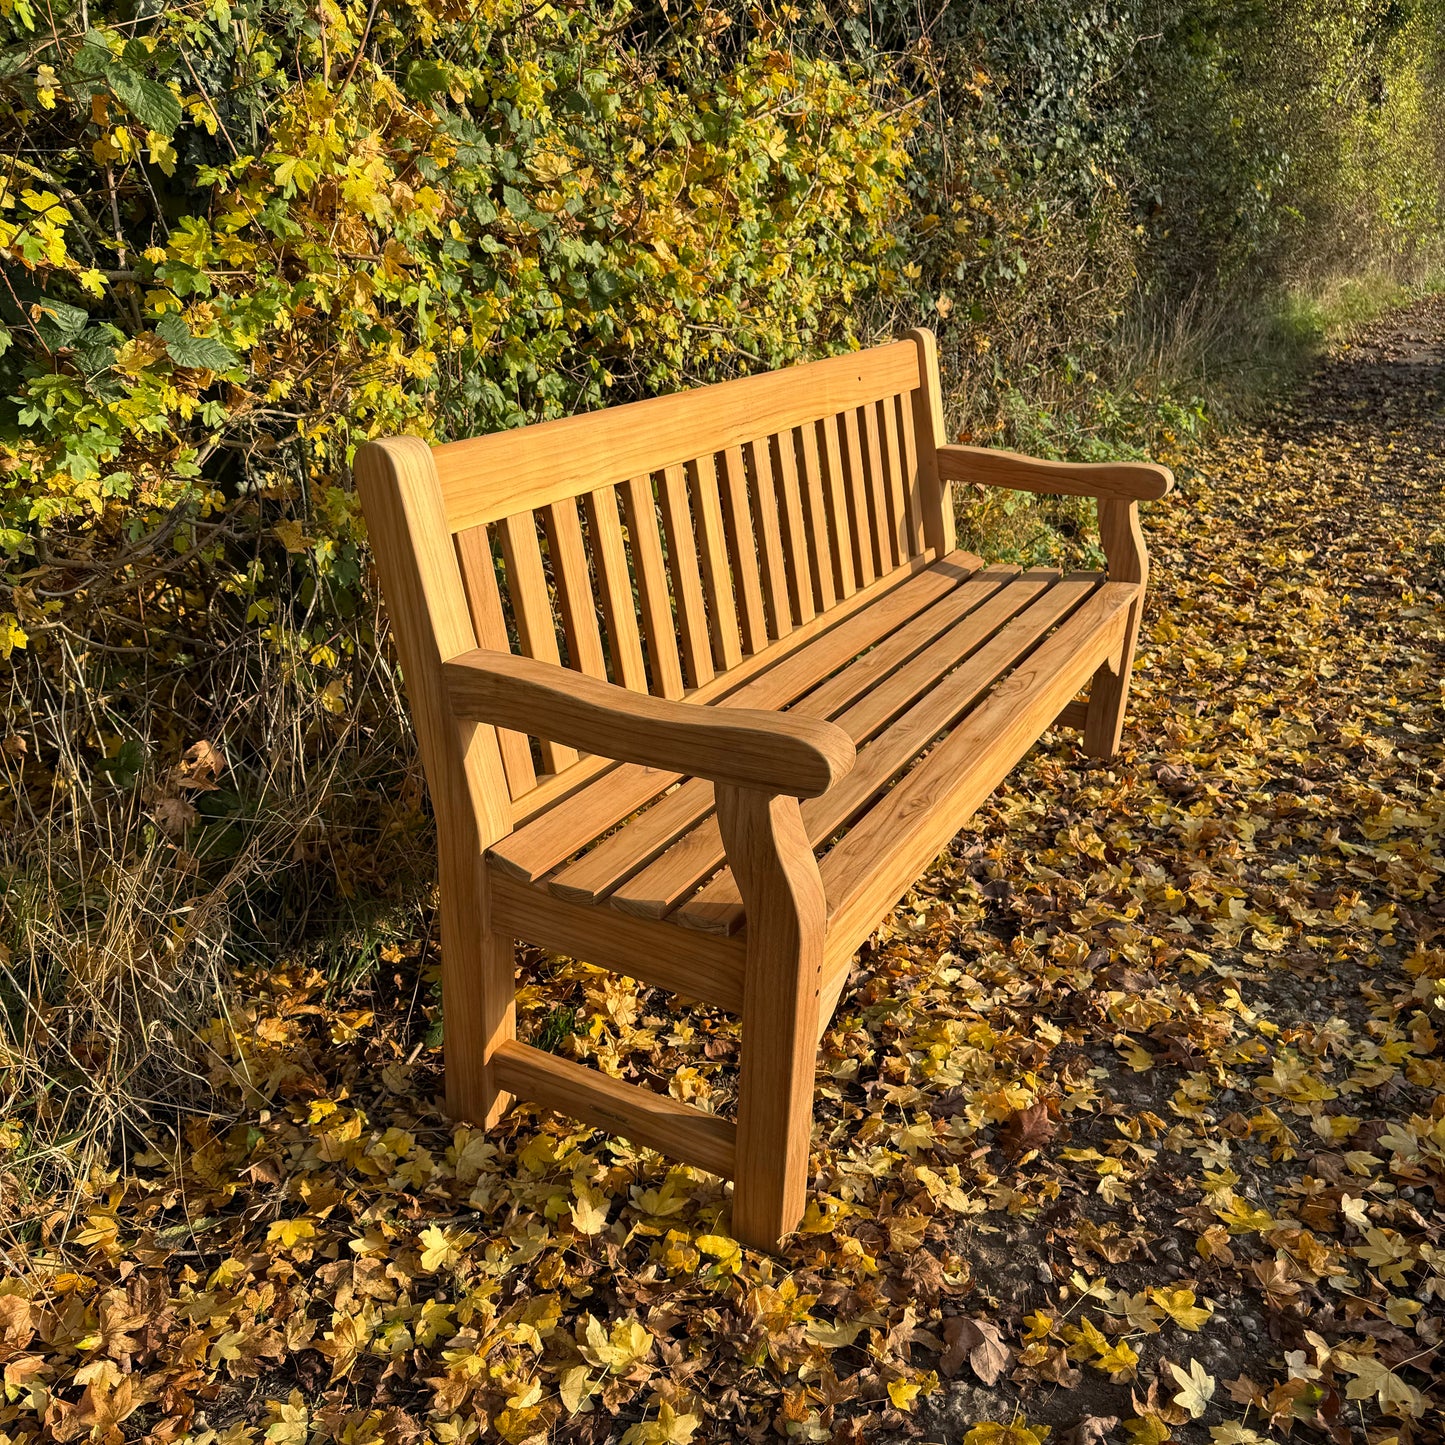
1122, 539
777, 875
479, 1011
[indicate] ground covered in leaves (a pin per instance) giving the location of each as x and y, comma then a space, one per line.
1131, 1127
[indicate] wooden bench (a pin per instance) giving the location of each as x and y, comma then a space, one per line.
702, 686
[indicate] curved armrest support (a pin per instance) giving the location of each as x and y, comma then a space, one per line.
993, 467
773, 752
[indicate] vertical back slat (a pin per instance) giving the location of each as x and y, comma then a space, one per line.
686, 580
573, 580
935, 495
790, 511
742, 550
656, 607
764, 499
532, 609
877, 489
484, 602
835, 484
895, 482
614, 582
867, 544
716, 574
820, 532
912, 480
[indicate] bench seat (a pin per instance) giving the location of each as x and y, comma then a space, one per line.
933, 660
702, 685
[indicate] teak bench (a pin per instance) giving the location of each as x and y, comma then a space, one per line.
634, 640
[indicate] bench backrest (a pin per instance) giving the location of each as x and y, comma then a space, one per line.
661, 544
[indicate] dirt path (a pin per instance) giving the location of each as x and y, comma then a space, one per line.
1132, 1125
1264, 864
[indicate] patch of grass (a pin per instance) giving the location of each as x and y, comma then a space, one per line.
558, 1026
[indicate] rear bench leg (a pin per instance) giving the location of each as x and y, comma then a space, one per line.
1128, 558
479, 1010
768, 851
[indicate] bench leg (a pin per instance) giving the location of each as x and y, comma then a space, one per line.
1123, 543
478, 988
768, 851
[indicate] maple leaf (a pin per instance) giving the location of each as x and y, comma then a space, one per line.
977, 1341
442, 1248
1374, 1377
1141, 1313
1232, 1432
1179, 1305
290, 1422
17, 1325
1196, 1388
1019, 1433
1026, 1129
836, 1336
1089, 1430
669, 1428
723, 1248
290, 1232
1147, 1430
574, 1386
589, 1210
1118, 1360
903, 1393
618, 1350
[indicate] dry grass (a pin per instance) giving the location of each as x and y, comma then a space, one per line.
165, 824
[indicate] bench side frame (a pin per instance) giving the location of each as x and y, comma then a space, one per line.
421, 579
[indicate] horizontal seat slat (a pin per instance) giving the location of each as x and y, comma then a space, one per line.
594, 875
718, 906
660, 886
876, 863
485, 478
555, 834
654, 1120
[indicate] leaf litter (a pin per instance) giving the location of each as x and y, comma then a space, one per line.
1130, 1129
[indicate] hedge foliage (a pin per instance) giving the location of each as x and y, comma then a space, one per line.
243, 239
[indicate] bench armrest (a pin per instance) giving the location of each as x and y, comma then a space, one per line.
993, 467
773, 752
